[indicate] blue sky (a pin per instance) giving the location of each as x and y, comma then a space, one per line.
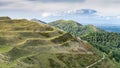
96, 12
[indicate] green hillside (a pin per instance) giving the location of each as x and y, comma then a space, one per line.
73, 27
27, 44
106, 42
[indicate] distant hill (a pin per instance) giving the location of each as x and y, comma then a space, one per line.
5, 18
39, 21
28, 44
74, 27
110, 28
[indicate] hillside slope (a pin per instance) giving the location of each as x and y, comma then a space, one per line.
27, 44
106, 42
73, 27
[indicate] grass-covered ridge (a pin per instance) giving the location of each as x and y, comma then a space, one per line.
74, 27
27, 44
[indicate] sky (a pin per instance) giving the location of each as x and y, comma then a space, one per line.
96, 12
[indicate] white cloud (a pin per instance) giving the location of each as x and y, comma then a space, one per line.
108, 18
104, 7
46, 14
118, 17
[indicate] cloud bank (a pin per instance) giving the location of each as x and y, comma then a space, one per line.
104, 7
100, 9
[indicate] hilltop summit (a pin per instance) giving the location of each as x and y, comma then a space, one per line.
74, 27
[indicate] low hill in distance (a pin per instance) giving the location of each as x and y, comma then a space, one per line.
39, 21
5, 18
110, 28
73, 27
28, 44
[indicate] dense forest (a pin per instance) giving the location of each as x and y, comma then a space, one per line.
107, 42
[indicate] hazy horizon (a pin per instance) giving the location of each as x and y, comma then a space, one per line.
96, 12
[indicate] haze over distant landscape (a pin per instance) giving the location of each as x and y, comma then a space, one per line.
96, 12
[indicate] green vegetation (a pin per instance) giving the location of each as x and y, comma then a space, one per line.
106, 42
73, 27
5, 18
27, 44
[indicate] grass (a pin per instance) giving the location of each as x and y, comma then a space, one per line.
5, 48
33, 45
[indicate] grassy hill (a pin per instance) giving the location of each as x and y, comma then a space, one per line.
27, 44
106, 42
73, 27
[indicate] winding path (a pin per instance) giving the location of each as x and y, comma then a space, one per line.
96, 62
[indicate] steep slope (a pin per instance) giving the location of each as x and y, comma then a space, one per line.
27, 44
73, 27
106, 42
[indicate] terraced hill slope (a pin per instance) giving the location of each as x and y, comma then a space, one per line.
27, 44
